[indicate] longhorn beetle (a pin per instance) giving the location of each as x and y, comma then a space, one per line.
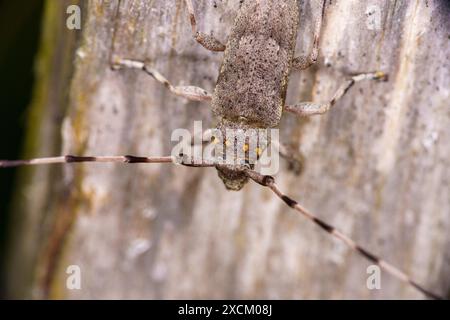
250, 94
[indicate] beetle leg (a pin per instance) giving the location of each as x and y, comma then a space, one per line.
305, 109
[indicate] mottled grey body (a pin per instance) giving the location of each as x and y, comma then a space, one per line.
252, 83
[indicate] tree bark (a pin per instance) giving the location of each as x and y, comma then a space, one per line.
376, 166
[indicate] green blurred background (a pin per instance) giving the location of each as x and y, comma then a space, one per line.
20, 24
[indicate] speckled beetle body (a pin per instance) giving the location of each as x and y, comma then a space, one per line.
251, 88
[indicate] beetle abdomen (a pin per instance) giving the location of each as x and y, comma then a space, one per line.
253, 77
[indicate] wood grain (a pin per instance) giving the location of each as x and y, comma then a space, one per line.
377, 166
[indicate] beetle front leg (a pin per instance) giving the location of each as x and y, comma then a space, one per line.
293, 157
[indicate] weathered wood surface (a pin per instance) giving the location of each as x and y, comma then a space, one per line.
377, 166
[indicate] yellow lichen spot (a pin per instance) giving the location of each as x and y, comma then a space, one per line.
380, 75
258, 151
245, 147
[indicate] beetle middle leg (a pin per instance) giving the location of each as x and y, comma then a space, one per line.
189, 92
311, 108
